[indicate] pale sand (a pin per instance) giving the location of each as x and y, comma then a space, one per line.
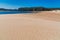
40, 26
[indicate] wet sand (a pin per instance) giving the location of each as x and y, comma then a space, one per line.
38, 26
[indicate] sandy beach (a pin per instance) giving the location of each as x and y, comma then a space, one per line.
36, 26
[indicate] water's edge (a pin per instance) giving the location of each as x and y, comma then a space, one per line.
14, 12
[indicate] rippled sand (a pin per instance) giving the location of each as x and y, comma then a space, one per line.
38, 26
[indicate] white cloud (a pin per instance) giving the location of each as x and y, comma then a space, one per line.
2, 5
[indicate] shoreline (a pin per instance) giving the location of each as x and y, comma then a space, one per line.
47, 15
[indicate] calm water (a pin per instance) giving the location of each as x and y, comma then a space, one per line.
14, 12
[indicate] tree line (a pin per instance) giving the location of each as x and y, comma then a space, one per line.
37, 9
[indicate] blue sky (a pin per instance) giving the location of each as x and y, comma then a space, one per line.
29, 3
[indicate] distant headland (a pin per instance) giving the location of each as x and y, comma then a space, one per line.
30, 9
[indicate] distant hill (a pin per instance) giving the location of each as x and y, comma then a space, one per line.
3, 9
37, 9
30, 9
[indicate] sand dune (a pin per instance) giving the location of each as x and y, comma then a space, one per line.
39, 26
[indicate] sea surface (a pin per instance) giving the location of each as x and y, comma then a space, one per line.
14, 12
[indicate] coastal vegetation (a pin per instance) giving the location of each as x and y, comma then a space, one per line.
37, 9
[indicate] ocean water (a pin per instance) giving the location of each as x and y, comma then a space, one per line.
14, 12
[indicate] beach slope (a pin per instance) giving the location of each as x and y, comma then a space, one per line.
38, 26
